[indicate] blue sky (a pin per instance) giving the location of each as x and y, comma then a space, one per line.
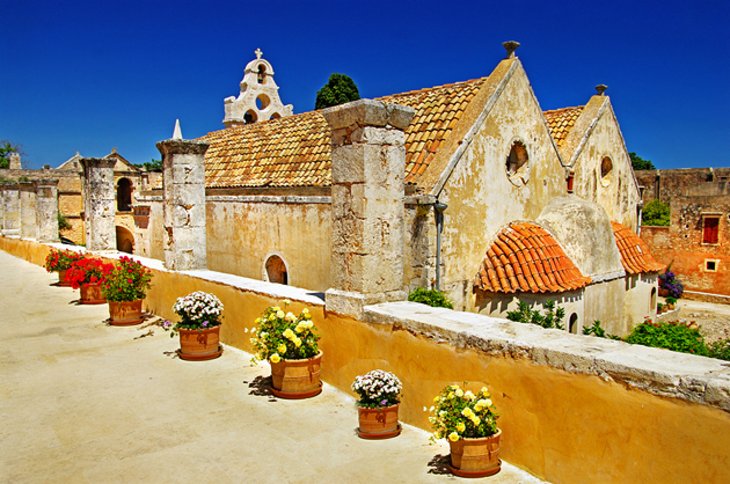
89, 76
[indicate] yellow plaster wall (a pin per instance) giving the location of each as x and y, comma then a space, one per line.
563, 427
480, 195
241, 236
620, 196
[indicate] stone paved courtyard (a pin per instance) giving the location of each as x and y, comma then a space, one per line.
85, 402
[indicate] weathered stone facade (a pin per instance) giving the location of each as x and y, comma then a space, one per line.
183, 179
99, 203
11, 211
47, 210
28, 215
695, 196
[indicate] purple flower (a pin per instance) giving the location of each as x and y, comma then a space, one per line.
383, 402
166, 324
205, 323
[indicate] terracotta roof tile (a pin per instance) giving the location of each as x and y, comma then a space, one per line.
526, 258
635, 254
561, 121
294, 151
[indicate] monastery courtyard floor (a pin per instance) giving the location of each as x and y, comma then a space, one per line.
85, 402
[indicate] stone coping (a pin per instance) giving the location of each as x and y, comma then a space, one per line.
252, 285
661, 372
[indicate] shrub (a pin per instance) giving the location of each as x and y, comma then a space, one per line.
673, 336
598, 331
280, 334
377, 388
127, 280
553, 318
656, 213
669, 281
431, 297
63, 223
457, 414
720, 349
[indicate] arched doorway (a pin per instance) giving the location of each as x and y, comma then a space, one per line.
276, 270
124, 195
125, 240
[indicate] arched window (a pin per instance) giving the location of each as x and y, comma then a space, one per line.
606, 171
125, 240
653, 299
250, 117
573, 323
124, 195
276, 270
517, 164
262, 102
261, 76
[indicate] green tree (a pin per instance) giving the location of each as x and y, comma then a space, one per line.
152, 165
640, 163
339, 89
6, 148
656, 213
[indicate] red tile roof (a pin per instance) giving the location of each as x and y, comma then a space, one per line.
526, 258
635, 254
294, 151
561, 121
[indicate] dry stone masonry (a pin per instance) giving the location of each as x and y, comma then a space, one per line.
28, 222
11, 210
100, 203
183, 178
368, 165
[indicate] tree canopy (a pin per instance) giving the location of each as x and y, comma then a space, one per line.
656, 213
6, 148
340, 89
640, 163
152, 165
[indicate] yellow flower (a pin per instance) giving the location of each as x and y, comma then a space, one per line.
467, 412
485, 391
288, 334
476, 421
290, 316
281, 348
275, 358
451, 396
305, 311
483, 403
436, 399
286, 302
280, 314
454, 387
276, 309
460, 427
453, 436
468, 394
300, 327
297, 342
258, 320
459, 392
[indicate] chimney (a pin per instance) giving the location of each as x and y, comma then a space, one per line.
510, 46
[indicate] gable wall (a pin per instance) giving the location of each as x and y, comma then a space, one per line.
481, 197
620, 195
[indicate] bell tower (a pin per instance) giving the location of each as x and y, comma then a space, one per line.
259, 98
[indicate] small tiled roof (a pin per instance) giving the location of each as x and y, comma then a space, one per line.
635, 254
561, 121
526, 258
294, 151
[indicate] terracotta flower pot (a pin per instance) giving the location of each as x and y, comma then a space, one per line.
125, 313
91, 294
297, 378
62, 279
663, 292
378, 423
476, 457
200, 344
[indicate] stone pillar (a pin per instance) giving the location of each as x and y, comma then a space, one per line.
15, 163
28, 220
99, 203
47, 210
368, 166
183, 181
11, 200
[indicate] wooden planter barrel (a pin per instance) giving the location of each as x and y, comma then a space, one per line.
91, 294
378, 423
476, 457
125, 313
297, 378
200, 344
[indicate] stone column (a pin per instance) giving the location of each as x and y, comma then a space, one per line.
183, 181
28, 220
47, 210
99, 203
368, 166
11, 200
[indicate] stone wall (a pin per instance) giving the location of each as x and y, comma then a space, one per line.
692, 194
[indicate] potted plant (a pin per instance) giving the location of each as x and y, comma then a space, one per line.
199, 326
60, 261
669, 285
670, 302
469, 422
289, 343
378, 393
125, 286
87, 275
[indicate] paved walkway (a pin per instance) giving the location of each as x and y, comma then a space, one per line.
85, 402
